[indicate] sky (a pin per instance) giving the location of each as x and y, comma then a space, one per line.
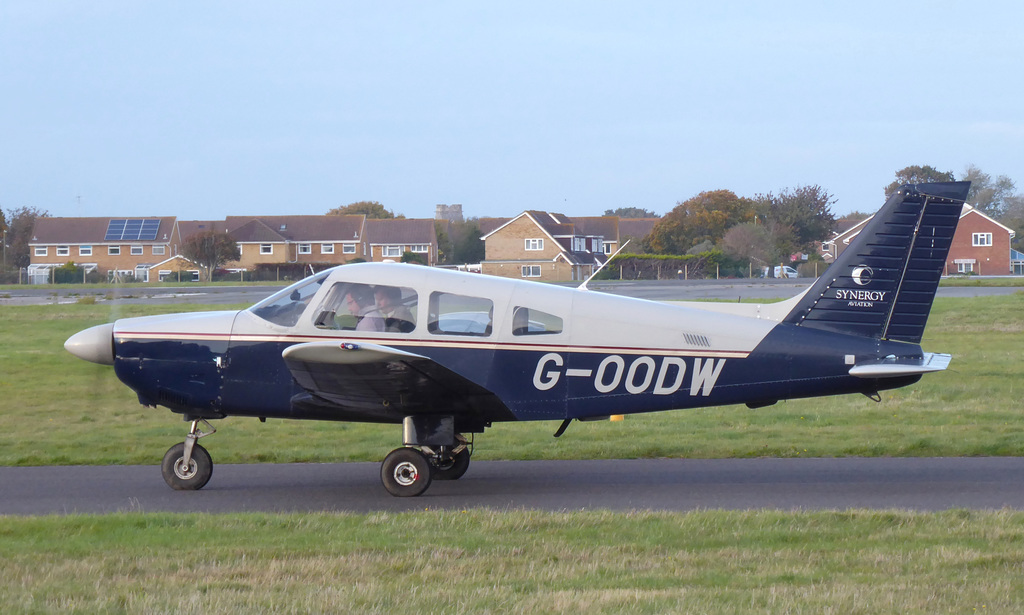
202, 110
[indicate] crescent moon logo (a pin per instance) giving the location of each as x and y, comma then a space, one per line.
862, 275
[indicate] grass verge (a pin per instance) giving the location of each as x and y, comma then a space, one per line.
483, 561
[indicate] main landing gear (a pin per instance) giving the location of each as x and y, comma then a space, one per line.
187, 466
408, 471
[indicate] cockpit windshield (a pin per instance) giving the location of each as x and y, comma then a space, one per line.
285, 307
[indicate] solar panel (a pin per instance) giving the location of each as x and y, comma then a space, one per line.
133, 229
115, 230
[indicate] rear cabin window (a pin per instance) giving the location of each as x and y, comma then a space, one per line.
368, 307
528, 321
452, 314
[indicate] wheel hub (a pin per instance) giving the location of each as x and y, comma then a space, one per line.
183, 472
406, 473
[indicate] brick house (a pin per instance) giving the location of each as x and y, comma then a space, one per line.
320, 240
120, 248
980, 245
545, 246
389, 240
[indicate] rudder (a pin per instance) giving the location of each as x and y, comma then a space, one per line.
883, 284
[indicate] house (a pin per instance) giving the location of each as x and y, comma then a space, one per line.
544, 246
390, 239
120, 248
321, 240
980, 245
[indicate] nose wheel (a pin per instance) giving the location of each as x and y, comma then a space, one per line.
187, 466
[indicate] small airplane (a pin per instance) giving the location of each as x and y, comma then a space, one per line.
446, 354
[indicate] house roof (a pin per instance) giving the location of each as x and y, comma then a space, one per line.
967, 209
489, 225
636, 227
187, 228
47, 230
400, 231
598, 226
280, 229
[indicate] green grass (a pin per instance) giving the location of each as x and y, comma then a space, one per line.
61, 410
483, 561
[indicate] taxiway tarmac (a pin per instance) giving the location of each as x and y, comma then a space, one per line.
924, 484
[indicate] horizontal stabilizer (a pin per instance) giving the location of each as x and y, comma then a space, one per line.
892, 368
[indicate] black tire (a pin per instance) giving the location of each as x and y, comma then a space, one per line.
195, 477
405, 473
454, 467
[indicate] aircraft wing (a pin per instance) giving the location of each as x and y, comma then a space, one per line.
379, 383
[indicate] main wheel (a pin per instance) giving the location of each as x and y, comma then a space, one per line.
405, 472
187, 478
453, 467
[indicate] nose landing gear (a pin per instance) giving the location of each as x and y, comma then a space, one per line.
187, 466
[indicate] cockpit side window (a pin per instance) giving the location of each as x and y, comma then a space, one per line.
351, 306
285, 308
529, 321
452, 314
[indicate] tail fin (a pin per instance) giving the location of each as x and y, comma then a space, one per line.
883, 284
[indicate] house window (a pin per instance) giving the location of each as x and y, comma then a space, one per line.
348, 248
136, 250
392, 251
981, 239
965, 267
579, 244
85, 250
113, 250
419, 248
41, 251
535, 244
531, 271
327, 248
305, 248
159, 250
63, 250
607, 248
266, 248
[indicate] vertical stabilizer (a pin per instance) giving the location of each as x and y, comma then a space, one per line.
883, 284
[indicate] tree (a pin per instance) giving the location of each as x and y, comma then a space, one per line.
370, 209
444, 242
466, 244
631, 212
1013, 217
798, 217
918, 175
705, 217
210, 250
19, 234
988, 195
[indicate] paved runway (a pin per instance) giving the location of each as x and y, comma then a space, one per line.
655, 484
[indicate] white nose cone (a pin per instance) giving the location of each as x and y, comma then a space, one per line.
94, 344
